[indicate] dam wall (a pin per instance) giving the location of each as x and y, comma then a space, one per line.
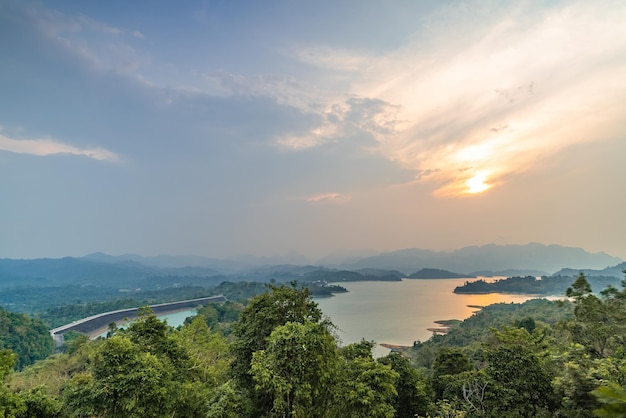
95, 323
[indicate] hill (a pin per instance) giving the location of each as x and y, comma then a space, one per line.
438, 274
545, 258
614, 271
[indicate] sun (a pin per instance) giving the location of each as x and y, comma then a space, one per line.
477, 184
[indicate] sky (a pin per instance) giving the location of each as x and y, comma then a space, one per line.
301, 128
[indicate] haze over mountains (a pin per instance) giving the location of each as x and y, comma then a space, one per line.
134, 270
533, 258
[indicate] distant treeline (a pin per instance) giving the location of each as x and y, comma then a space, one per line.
348, 276
547, 285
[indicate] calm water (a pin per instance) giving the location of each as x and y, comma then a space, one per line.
177, 318
391, 312
401, 312
173, 319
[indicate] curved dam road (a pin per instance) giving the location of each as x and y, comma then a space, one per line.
93, 325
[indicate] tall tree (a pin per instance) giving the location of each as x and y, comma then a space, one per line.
522, 386
257, 321
124, 382
414, 394
297, 370
366, 388
11, 404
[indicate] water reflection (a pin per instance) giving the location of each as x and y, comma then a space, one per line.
400, 312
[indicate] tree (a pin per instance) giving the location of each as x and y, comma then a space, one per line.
521, 385
450, 361
40, 405
229, 402
613, 399
11, 405
365, 387
29, 338
297, 370
256, 322
123, 382
207, 352
599, 323
414, 394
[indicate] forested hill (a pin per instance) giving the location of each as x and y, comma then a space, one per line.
27, 337
428, 273
279, 358
547, 285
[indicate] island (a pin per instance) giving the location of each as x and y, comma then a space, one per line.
531, 285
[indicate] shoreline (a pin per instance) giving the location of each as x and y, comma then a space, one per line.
98, 332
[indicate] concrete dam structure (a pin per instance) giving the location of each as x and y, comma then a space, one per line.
94, 325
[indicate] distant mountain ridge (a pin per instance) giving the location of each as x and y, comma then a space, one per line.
614, 271
130, 270
537, 257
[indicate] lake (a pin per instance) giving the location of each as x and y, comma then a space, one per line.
392, 312
173, 319
400, 312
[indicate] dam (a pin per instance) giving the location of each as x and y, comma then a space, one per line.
95, 324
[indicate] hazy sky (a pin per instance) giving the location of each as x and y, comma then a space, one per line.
222, 128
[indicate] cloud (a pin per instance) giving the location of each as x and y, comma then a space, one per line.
355, 116
99, 26
45, 147
329, 197
332, 58
104, 46
283, 90
485, 93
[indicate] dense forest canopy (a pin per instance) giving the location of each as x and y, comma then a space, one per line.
275, 355
28, 338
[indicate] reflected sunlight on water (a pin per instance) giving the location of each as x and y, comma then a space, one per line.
400, 312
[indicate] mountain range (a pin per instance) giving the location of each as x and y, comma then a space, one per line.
128, 271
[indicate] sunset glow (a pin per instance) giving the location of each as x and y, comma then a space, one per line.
477, 183
228, 128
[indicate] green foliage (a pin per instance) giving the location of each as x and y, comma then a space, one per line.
470, 333
577, 377
530, 285
208, 352
220, 316
123, 382
297, 369
11, 405
229, 402
522, 385
414, 394
613, 400
599, 323
260, 317
27, 337
366, 388
41, 405
449, 362
537, 359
